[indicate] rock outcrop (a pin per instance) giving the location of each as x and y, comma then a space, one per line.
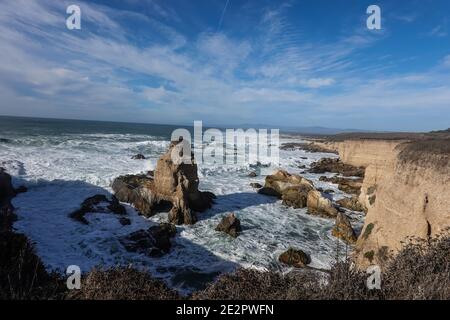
295, 258
281, 180
319, 205
154, 242
351, 204
343, 229
298, 192
256, 185
348, 185
138, 156
309, 147
174, 187
336, 166
98, 204
230, 225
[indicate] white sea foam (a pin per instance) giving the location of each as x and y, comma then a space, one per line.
61, 171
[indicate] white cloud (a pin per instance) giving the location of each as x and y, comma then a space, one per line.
47, 70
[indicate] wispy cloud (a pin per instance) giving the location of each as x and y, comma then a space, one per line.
165, 75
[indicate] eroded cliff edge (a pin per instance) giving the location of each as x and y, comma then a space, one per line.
406, 189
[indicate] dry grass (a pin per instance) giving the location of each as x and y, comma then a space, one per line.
122, 284
427, 152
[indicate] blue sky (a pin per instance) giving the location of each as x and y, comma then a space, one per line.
281, 63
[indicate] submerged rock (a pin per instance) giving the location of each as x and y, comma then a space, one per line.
252, 175
230, 224
174, 188
256, 185
138, 156
343, 229
295, 258
98, 204
154, 242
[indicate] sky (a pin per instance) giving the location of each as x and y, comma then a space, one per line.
229, 62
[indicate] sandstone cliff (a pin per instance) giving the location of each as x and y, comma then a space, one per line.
406, 190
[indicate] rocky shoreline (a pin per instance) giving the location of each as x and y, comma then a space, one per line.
173, 188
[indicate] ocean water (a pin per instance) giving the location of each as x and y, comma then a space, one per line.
62, 162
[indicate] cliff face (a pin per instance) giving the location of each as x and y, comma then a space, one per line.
406, 190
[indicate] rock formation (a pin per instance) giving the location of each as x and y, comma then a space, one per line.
277, 183
98, 204
336, 166
298, 192
174, 187
343, 229
153, 242
295, 258
230, 224
138, 156
351, 204
319, 205
348, 185
309, 147
256, 185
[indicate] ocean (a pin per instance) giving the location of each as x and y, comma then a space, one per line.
62, 162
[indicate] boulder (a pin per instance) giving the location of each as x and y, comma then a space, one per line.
138, 156
319, 205
124, 221
252, 175
154, 242
230, 224
174, 187
98, 204
336, 166
295, 258
343, 229
351, 204
296, 197
277, 183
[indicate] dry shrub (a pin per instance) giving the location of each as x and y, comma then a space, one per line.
420, 271
435, 152
122, 284
22, 274
248, 284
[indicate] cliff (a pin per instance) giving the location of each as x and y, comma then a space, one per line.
406, 190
